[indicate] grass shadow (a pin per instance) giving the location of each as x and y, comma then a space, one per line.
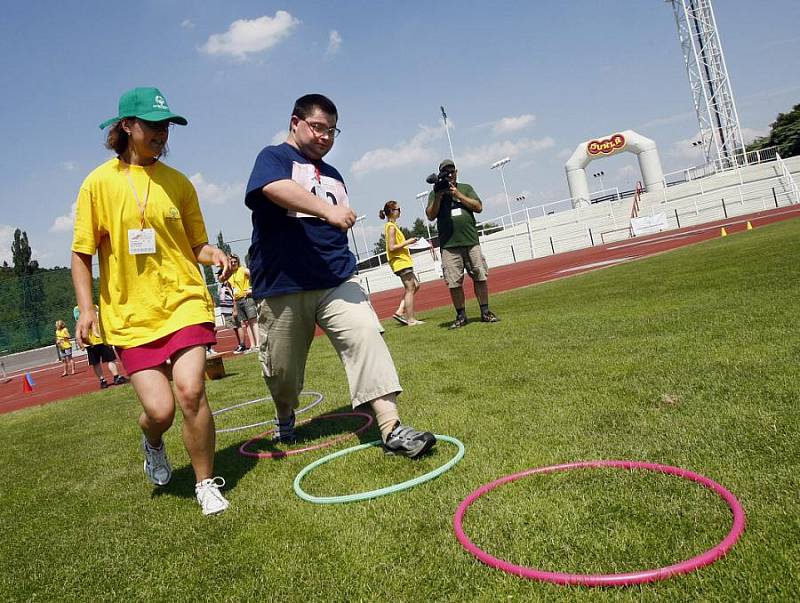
228, 463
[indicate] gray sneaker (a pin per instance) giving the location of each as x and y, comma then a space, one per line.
284, 430
156, 465
407, 441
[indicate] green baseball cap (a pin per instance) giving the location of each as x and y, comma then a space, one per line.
446, 163
145, 103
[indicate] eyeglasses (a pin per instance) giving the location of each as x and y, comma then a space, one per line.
321, 129
156, 126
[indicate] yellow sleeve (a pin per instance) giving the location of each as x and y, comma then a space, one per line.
192, 217
86, 232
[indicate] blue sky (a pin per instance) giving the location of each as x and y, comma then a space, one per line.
529, 80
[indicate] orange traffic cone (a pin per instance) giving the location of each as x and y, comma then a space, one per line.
749, 226
26, 386
723, 232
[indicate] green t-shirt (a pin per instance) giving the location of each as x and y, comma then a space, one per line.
456, 222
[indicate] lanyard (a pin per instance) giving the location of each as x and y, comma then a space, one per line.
139, 204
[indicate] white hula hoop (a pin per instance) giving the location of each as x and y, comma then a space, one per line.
319, 398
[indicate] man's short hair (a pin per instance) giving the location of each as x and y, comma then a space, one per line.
305, 105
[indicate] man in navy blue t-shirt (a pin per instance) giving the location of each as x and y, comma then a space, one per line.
302, 274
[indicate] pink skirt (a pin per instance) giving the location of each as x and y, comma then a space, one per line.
156, 353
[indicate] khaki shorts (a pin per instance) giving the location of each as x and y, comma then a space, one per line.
286, 325
456, 260
246, 308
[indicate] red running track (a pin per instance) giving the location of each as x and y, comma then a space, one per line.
50, 386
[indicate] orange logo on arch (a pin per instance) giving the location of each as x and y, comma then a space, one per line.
606, 146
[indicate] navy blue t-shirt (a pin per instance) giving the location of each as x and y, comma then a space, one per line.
292, 251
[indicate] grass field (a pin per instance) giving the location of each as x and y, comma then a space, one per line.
687, 359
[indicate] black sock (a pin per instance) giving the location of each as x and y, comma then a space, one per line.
460, 313
484, 308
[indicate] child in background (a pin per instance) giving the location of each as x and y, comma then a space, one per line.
64, 347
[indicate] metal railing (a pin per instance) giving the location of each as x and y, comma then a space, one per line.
740, 159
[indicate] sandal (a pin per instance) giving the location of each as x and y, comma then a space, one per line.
400, 318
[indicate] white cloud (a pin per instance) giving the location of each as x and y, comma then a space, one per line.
247, 37
512, 124
334, 43
750, 134
216, 194
187, 24
487, 154
407, 153
668, 120
70, 166
279, 136
64, 223
6, 240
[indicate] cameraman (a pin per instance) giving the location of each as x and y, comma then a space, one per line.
454, 205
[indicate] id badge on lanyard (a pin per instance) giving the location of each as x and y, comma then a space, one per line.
141, 241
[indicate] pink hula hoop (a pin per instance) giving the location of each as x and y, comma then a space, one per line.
279, 454
640, 577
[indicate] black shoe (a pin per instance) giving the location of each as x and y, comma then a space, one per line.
489, 316
459, 322
120, 380
103, 384
240, 350
408, 442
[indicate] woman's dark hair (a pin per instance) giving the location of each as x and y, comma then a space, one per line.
117, 139
305, 105
387, 209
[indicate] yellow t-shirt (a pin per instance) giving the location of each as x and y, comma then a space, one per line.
400, 258
240, 283
147, 296
62, 335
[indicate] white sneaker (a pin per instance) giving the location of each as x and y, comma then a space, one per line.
156, 465
209, 497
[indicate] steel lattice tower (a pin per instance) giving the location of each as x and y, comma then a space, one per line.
712, 95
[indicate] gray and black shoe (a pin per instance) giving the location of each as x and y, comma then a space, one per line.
409, 442
284, 430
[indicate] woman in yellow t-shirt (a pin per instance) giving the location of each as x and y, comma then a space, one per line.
64, 347
400, 262
143, 220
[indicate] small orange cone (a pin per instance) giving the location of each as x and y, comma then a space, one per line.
749, 226
26, 387
723, 232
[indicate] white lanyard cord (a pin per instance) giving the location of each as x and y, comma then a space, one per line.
142, 206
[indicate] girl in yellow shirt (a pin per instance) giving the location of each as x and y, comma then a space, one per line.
64, 347
400, 262
143, 220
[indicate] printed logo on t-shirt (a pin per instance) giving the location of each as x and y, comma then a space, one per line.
329, 189
173, 214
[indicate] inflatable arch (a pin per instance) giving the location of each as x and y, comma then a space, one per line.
628, 140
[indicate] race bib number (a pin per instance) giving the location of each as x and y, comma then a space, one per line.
456, 211
141, 241
328, 189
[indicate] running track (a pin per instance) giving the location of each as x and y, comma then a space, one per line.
50, 386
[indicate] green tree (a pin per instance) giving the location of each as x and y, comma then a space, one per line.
21, 254
222, 244
419, 229
784, 134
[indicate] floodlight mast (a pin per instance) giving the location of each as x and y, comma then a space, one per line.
420, 197
499, 164
712, 94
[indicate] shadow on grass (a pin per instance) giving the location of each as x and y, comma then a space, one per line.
228, 463
317, 431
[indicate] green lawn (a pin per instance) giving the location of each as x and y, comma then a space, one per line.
688, 358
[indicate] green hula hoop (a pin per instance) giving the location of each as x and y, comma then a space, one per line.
329, 500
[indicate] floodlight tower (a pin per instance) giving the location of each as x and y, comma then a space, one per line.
712, 94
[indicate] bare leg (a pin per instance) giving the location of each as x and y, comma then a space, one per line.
188, 367
481, 291
158, 406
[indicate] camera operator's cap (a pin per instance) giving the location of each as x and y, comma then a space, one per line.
446, 163
145, 103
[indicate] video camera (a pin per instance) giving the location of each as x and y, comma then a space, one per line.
440, 181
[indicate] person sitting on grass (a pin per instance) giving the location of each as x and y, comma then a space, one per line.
400, 262
64, 347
